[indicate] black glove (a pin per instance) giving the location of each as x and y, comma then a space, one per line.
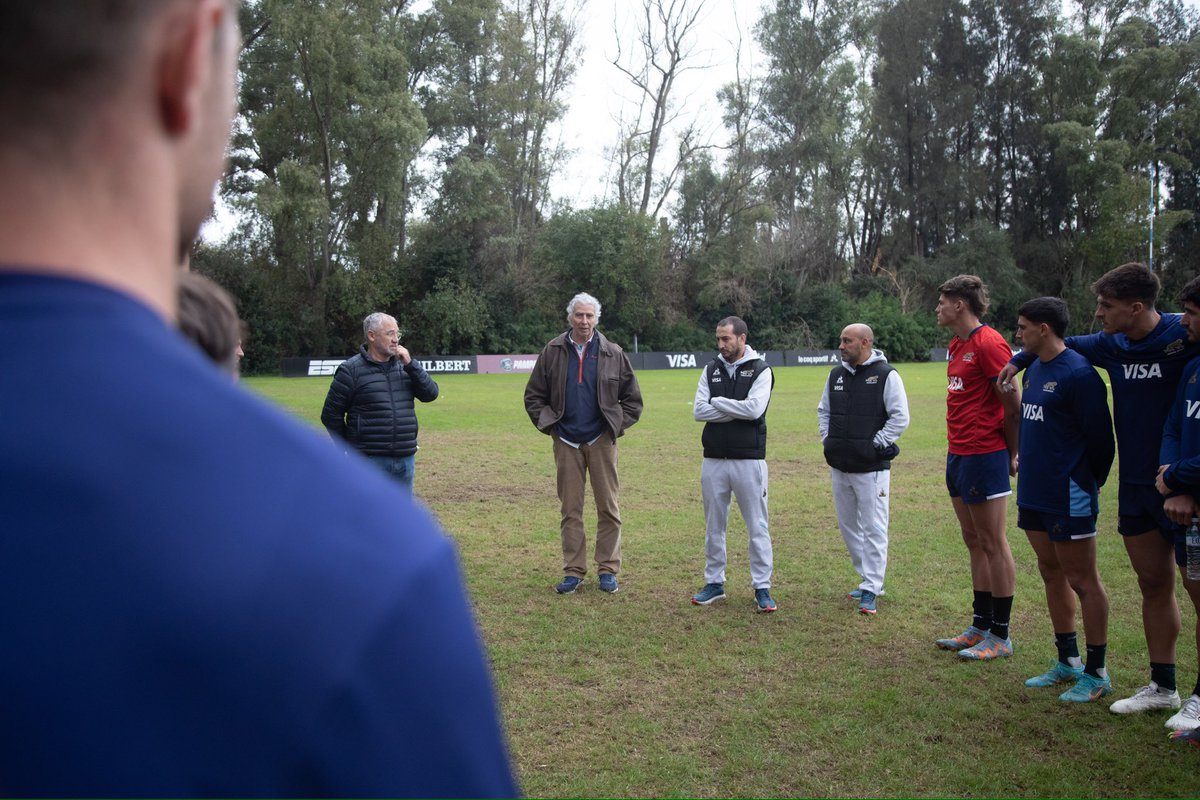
889, 452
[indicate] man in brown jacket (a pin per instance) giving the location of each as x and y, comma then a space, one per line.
583, 393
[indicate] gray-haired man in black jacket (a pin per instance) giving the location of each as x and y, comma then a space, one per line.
371, 405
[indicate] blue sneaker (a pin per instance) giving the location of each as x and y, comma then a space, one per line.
569, 585
711, 593
765, 604
608, 582
1058, 673
866, 603
855, 595
1087, 689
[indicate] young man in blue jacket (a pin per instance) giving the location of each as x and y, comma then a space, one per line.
1066, 450
1178, 481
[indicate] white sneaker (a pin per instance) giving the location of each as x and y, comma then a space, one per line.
1146, 698
1188, 718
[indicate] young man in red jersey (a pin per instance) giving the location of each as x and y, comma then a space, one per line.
982, 422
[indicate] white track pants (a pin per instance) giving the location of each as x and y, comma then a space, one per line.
861, 500
745, 479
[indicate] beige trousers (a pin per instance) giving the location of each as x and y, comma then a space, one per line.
599, 461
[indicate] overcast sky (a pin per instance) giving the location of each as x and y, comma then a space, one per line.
600, 90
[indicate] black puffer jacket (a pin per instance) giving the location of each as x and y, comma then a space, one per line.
371, 404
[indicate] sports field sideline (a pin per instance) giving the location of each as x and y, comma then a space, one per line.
642, 694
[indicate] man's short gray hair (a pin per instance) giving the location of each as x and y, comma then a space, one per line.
374, 321
585, 298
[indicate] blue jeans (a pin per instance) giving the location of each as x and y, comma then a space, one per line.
402, 468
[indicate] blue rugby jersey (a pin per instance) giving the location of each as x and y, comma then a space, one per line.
1181, 434
203, 597
1144, 374
1066, 437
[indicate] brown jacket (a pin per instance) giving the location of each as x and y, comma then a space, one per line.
620, 397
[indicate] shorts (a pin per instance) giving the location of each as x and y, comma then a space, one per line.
1181, 549
1140, 510
978, 478
1059, 528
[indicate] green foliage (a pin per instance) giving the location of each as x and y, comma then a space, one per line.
903, 337
453, 318
612, 253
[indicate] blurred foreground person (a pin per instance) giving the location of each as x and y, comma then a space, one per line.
199, 597
208, 317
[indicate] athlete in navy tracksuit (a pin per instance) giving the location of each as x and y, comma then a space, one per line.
1066, 451
1144, 352
1179, 481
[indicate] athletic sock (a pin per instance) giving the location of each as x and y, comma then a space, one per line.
1163, 675
1001, 609
1095, 660
982, 606
1068, 647
1196, 691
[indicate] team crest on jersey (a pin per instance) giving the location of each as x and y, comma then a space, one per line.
956, 384
969, 357
1174, 347
1049, 386
871, 380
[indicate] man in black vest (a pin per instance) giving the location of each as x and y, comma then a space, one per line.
862, 413
731, 401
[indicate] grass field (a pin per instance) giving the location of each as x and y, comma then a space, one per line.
642, 694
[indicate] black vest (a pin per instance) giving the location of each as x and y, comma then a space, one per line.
738, 438
856, 413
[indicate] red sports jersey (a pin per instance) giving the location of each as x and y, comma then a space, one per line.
974, 415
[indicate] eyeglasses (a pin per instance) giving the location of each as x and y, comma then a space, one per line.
390, 334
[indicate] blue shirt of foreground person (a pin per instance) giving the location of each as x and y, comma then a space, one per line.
198, 596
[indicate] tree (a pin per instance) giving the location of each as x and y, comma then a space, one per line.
664, 34
327, 133
613, 254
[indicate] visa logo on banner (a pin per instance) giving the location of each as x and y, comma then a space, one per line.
679, 360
